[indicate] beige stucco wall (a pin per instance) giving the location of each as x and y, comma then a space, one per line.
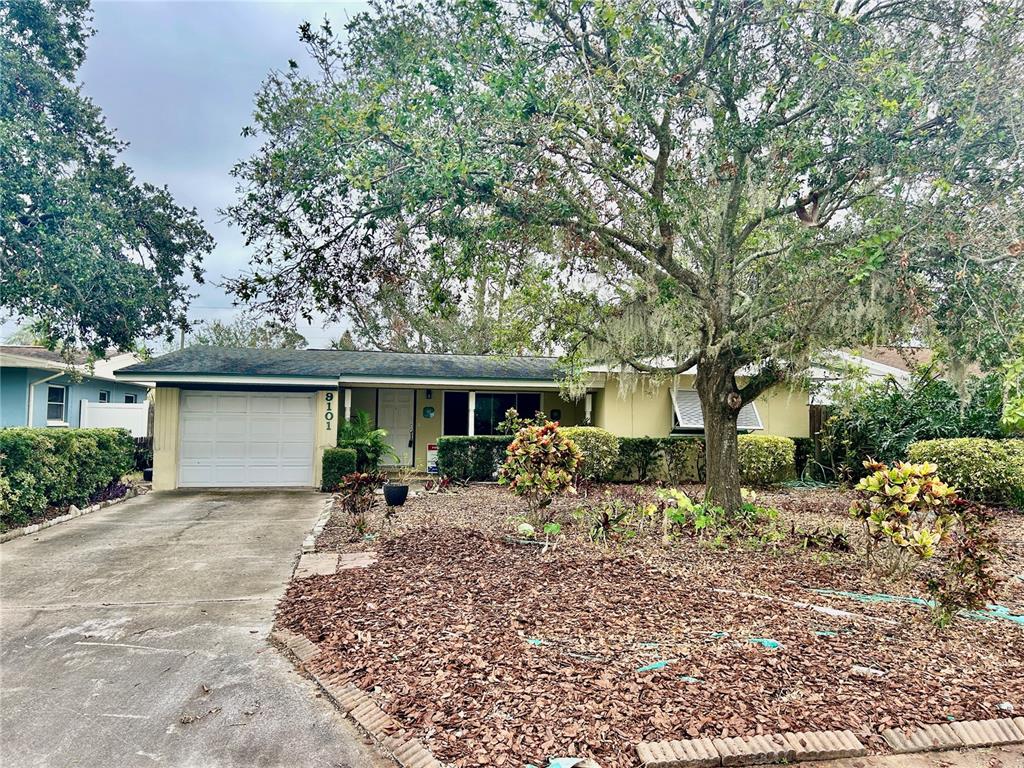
165, 438
329, 410
646, 410
427, 430
784, 411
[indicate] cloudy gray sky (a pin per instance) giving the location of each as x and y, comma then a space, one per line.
176, 79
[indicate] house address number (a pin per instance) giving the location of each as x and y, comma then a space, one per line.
329, 413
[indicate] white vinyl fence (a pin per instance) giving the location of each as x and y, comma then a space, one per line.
131, 416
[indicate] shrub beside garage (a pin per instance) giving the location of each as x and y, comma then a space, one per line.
980, 468
54, 468
337, 463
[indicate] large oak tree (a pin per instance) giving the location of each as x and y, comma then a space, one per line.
88, 254
728, 184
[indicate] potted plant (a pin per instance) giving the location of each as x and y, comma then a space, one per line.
396, 490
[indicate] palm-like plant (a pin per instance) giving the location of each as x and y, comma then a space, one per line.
370, 444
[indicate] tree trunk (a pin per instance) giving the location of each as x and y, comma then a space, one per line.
720, 402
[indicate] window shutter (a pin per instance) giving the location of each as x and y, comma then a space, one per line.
686, 405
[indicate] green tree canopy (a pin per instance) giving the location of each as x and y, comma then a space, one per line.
732, 185
96, 258
248, 331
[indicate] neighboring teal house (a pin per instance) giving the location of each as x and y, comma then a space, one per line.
38, 388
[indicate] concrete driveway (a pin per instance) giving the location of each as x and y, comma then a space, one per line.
137, 636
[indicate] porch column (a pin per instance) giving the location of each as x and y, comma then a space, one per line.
348, 403
588, 408
472, 413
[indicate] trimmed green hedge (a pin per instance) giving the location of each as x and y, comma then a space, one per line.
471, 458
766, 459
337, 463
980, 468
639, 457
600, 449
684, 458
45, 468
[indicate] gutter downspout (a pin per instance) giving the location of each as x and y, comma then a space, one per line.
32, 394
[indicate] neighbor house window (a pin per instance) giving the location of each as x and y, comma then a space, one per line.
131, 398
104, 395
56, 403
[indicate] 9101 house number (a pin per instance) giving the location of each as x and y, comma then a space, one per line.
329, 413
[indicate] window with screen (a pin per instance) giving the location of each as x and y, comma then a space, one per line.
56, 403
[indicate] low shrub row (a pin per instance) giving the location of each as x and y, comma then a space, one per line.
471, 458
45, 468
337, 463
764, 459
980, 468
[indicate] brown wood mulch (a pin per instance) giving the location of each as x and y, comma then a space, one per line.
495, 653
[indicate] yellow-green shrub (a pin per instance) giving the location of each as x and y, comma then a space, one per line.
766, 459
600, 450
981, 469
906, 510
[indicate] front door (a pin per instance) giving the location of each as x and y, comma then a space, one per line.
395, 415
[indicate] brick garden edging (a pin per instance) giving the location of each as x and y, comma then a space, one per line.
385, 730
16, 533
309, 543
826, 745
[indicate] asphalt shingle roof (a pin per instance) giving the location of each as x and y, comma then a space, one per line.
331, 363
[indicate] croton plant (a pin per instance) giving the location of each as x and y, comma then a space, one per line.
906, 509
540, 463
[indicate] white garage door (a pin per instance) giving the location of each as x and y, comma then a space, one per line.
232, 439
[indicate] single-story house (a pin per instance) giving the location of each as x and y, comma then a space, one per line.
262, 417
40, 388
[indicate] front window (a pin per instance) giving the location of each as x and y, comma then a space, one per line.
56, 403
489, 412
104, 395
131, 398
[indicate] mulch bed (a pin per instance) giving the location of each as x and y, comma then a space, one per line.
495, 653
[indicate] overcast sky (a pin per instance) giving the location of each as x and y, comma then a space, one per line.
176, 79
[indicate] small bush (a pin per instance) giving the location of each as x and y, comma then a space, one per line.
766, 459
358, 497
599, 449
540, 463
337, 463
684, 458
143, 453
981, 469
970, 580
906, 511
638, 457
471, 458
57, 467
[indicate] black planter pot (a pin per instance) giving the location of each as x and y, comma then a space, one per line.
395, 494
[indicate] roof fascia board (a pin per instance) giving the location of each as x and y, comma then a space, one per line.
438, 382
8, 360
197, 378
